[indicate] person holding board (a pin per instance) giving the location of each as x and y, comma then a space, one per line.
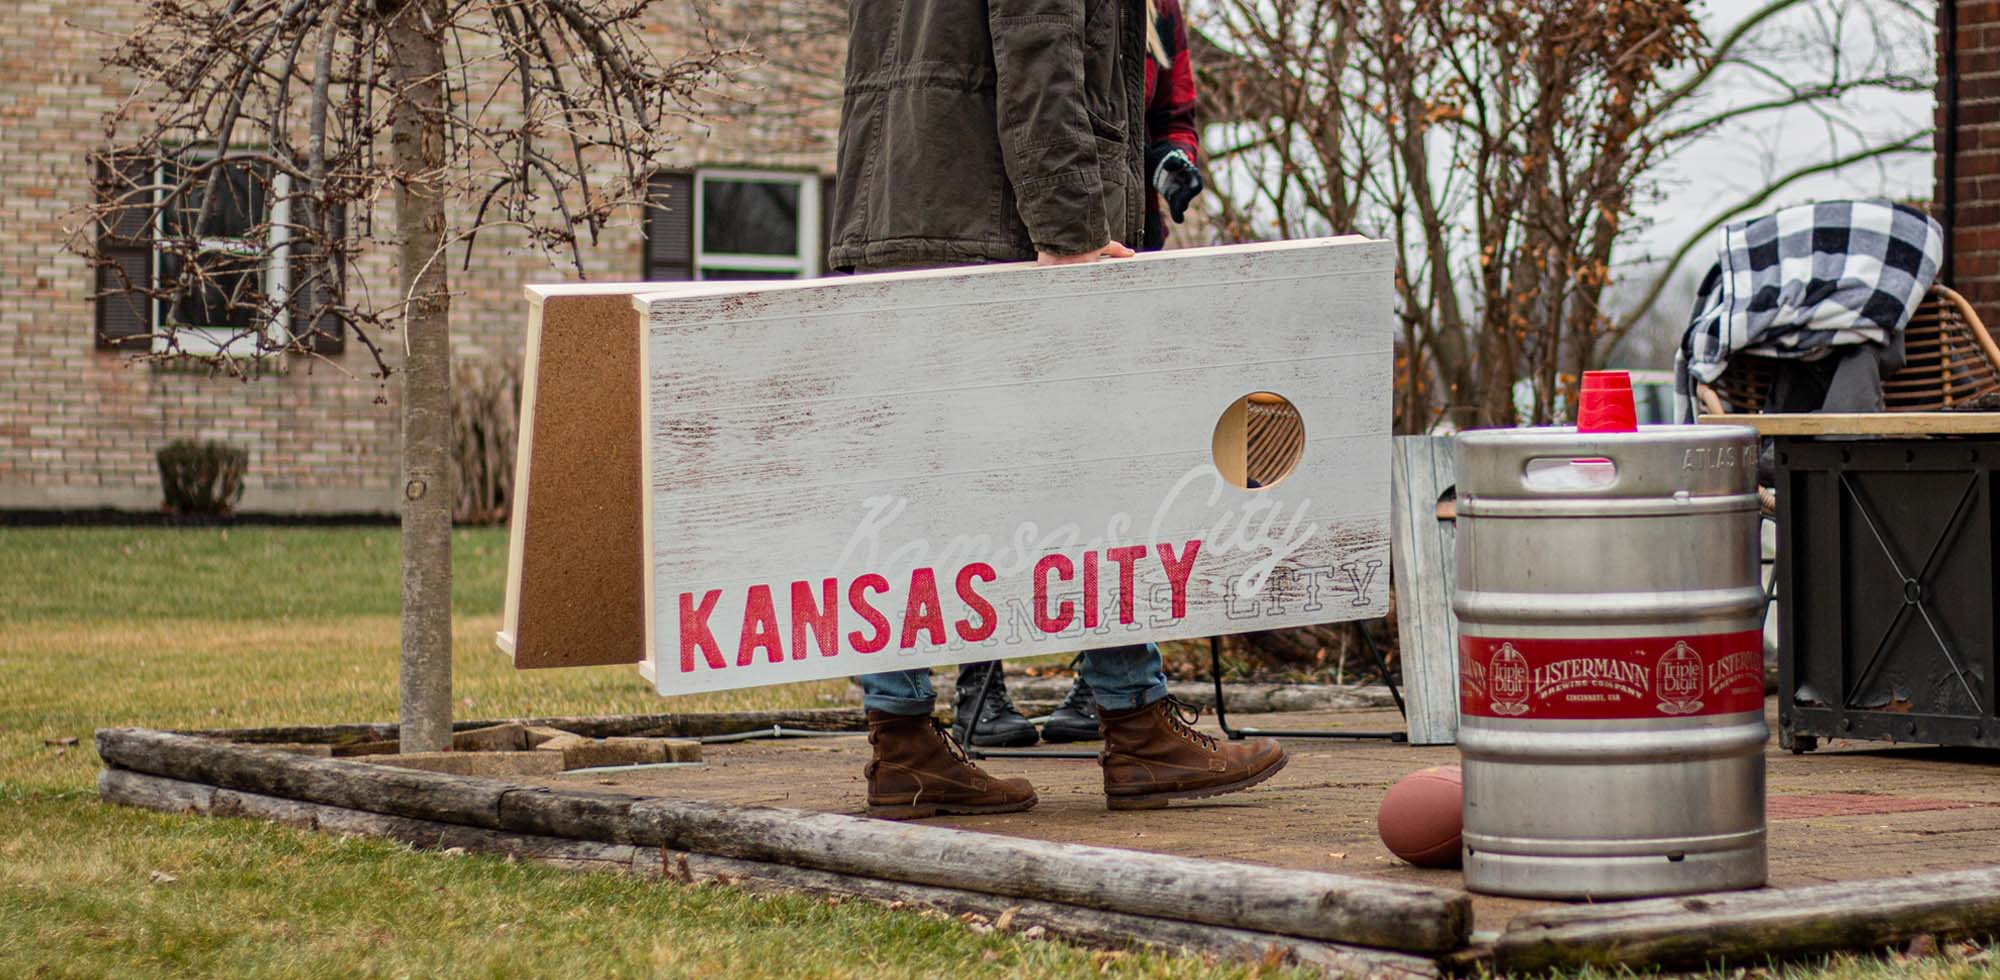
1001, 131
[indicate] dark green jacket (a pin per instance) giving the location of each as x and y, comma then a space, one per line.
985, 130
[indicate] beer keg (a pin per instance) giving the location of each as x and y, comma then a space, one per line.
1611, 670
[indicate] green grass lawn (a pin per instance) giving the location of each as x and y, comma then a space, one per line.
263, 626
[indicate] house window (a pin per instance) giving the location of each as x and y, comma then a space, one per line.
223, 283
734, 224
224, 273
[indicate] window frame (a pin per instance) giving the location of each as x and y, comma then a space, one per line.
211, 341
805, 261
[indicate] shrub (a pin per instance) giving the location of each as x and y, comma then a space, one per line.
202, 477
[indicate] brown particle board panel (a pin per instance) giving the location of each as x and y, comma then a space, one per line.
575, 595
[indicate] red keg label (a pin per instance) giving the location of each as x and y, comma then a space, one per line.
1622, 677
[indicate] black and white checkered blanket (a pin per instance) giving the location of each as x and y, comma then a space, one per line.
1797, 282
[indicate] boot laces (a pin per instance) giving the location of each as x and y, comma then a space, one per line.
1182, 716
1079, 698
951, 744
998, 701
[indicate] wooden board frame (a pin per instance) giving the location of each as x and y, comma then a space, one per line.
573, 548
1021, 423
1426, 547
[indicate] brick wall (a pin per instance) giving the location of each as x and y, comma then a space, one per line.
1974, 221
79, 426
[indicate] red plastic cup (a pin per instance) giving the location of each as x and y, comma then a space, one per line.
1606, 403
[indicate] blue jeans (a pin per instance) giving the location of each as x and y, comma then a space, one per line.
1120, 678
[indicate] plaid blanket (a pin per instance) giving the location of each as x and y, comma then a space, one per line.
1797, 282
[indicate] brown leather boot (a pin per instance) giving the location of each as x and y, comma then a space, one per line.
1154, 754
919, 771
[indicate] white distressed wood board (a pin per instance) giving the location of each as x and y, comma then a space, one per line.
970, 432
1424, 470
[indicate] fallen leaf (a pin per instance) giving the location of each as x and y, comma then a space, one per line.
990, 955
1337, 855
1006, 919
163, 878
60, 741
1274, 957
1034, 932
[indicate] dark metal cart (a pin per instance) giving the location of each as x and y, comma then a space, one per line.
1885, 578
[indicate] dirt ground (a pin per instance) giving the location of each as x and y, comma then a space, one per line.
1850, 811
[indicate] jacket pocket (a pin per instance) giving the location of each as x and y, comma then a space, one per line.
940, 152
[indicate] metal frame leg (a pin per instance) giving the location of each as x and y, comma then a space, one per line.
1237, 734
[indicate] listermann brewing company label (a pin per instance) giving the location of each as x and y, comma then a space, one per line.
1611, 678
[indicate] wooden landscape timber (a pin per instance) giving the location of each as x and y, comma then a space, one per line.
1093, 895
1092, 927
1746, 928
1042, 694
1307, 905
1311, 904
682, 725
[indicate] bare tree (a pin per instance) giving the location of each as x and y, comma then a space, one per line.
262, 134
1504, 147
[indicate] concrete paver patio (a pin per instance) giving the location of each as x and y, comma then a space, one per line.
1850, 811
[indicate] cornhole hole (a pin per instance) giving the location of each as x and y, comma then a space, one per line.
879, 472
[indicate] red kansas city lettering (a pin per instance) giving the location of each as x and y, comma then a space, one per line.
857, 596
695, 634
975, 603
1068, 591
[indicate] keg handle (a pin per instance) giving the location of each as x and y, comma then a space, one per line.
1569, 474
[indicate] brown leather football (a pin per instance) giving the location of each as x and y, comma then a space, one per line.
1422, 816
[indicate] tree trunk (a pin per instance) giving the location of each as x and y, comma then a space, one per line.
417, 152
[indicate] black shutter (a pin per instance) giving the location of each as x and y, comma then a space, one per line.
125, 252
825, 224
669, 253
315, 286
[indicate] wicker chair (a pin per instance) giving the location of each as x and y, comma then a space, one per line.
1948, 359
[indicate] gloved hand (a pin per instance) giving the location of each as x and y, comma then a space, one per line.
1174, 175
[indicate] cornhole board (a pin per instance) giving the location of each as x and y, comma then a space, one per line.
1425, 476
880, 472
574, 555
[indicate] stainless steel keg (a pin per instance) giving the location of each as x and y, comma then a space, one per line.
1611, 668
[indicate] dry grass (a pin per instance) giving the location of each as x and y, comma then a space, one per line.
266, 626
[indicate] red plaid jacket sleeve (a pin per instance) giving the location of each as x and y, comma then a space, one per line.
1170, 94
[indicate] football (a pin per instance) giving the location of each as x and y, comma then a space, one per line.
1421, 817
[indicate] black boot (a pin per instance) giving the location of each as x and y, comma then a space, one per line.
1075, 719
1000, 725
